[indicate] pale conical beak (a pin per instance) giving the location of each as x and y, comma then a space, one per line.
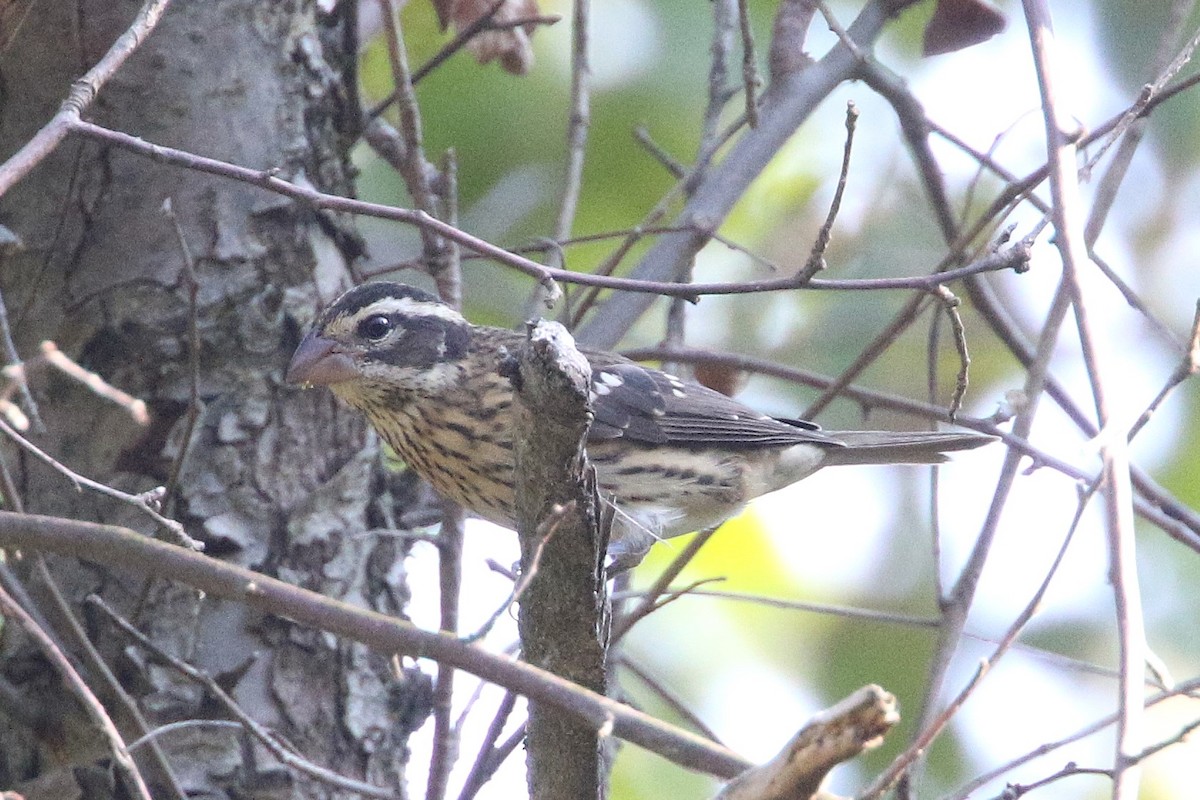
317, 362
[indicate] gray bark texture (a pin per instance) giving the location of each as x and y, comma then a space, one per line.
275, 479
563, 617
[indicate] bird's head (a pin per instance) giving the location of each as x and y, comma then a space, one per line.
381, 338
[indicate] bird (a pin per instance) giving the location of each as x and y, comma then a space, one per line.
671, 456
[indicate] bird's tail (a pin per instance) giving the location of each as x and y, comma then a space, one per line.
911, 447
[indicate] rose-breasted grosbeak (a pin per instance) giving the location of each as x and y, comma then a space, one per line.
674, 457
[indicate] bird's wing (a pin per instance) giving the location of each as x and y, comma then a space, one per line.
645, 405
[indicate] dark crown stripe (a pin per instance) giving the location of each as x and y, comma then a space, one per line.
360, 297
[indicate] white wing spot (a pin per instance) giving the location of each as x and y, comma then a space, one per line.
599, 390
678, 391
609, 379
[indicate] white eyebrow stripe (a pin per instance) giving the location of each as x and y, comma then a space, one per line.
410, 307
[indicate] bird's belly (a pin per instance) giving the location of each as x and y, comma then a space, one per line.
670, 491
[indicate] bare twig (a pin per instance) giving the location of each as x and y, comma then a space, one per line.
487, 759
921, 742
1069, 238
446, 267
484, 22
15, 370
415, 170
578, 122
724, 13
67, 625
1188, 688
546, 529
497, 756
1017, 790
816, 258
1188, 366
192, 284
785, 105
661, 584
900, 765
445, 735
102, 388
950, 304
750, 79
83, 92
862, 614
667, 695
146, 502
134, 783
244, 720
664, 159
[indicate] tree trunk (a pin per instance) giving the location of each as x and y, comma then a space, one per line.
274, 479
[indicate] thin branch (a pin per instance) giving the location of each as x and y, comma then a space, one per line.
415, 170
133, 781
1017, 790
487, 759
785, 105
846, 612
66, 624
192, 283
546, 530
1009, 259
724, 13
83, 92
481, 24
664, 159
578, 121
816, 258
1188, 366
750, 79
920, 744
498, 755
1118, 496
15, 370
244, 721
446, 267
1187, 689
269, 180
661, 584
899, 767
667, 695
950, 304
146, 502
445, 734
100, 387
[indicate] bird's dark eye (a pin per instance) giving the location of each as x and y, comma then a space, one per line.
375, 328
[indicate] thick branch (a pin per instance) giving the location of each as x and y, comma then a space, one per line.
122, 548
835, 735
562, 621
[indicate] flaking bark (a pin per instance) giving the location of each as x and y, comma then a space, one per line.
563, 614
